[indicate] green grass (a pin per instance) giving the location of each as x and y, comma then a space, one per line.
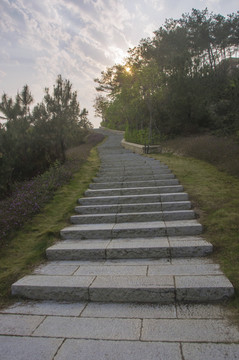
215, 197
26, 248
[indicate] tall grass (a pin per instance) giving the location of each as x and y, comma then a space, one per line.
223, 152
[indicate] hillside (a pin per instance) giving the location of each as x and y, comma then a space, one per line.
222, 152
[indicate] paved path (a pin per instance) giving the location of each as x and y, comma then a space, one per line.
135, 272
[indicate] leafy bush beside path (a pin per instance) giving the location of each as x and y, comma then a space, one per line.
29, 197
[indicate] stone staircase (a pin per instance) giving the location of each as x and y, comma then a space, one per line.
134, 238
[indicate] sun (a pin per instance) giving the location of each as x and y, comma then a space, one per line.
128, 69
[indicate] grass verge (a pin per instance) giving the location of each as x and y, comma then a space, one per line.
27, 246
215, 196
222, 152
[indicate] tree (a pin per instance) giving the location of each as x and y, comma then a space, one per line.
177, 80
15, 137
30, 141
14, 110
62, 111
84, 122
101, 105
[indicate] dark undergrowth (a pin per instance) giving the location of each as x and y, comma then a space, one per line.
29, 197
222, 152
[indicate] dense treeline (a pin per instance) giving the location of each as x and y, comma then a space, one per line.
31, 141
184, 80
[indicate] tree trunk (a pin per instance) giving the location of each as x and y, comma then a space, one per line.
63, 150
150, 121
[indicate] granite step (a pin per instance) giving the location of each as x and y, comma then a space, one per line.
133, 217
137, 248
132, 178
133, 172
134, 191
131, 230
133, 199
126, 166
138, 207
131, 162
133, 184
140, 283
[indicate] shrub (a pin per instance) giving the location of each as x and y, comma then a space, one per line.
222, 152
142, 136
29, 197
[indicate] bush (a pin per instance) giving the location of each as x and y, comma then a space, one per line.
29, 197
142, 136
223, 152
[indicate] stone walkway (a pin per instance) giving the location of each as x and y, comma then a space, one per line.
131, 279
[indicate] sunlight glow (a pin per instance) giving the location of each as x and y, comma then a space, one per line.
117, 54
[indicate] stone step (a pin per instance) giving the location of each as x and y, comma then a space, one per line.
135, 175
131, 230
134, 171
133, 178
154, 284
126, 159
128, 166
131, 162
137, 248
133, 184
133, 217
140, 207
133, 199
134, 191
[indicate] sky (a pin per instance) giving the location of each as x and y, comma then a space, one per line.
78, 39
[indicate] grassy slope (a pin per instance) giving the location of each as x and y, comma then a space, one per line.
215, 196
27, 247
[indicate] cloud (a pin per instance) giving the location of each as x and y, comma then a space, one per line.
76, 38
4, 55
157, 5
2, 74
12, 18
